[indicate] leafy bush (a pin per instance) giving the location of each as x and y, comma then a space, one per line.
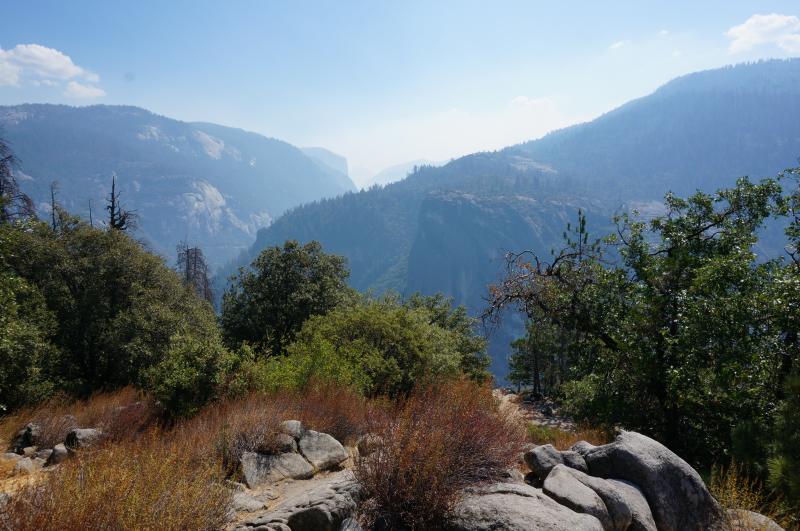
442, 439
380, 347
147, 484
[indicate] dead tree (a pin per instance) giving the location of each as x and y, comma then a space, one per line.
118, 218
193, 268
14, 204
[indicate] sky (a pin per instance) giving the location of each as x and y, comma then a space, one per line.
379, 82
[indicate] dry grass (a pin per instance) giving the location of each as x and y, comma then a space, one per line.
121, 414
734, 488
148, 483
441, 440
563, 439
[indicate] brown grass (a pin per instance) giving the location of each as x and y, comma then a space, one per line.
563, 439
121, 414
734, 488
441, 440
148, 483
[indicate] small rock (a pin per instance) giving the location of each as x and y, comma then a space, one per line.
742, 520
44, 454
322, 451
351, 524
542, 459
27, 436
29, 451
582, 447
59, 455
258, 469
245, 503
80, 438
294, 428
28, 465
10, 456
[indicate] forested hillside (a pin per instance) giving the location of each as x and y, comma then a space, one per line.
446, 229
208, 184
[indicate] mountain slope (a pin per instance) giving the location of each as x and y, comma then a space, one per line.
213, 185
446, 229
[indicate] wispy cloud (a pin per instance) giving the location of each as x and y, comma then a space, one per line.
617, 45
782, 31
39, 65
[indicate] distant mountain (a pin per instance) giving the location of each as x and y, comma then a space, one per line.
212, 185
398, 172
446, 229
332, 163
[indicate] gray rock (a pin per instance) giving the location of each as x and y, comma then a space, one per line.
542, 459
322, 451
245, 503
515, 507
59, 455
742, 520
286, 443
44, 454
293, 428
513, 475
81, 438
29, 451
5, 498
675, 492
624, 501
322, 508
27, 436
564, 488
28, 465
259, 469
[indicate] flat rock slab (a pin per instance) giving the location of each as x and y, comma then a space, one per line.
515, 507
322, 450
323, 507
677, 496
259, 469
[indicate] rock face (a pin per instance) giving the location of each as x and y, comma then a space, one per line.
58, 455
742, 520
322, 451
259, 469
323, 508
514, 507
27, 436
677, 496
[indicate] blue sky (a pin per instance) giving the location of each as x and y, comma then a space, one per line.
380, 82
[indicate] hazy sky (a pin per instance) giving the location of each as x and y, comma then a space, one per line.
380, 82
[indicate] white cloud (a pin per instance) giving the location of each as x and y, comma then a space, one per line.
40, 65
617, 45
81, 91
782, 31
663, 33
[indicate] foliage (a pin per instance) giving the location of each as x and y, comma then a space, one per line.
735, 488
147, 484
444, 438
267, 303
381, 346
674, 314
89, 309
784, 465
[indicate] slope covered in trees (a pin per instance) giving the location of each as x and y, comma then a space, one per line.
204, 183
446, 229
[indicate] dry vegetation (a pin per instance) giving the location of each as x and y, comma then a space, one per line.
440, 440
734, 488
563, 439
